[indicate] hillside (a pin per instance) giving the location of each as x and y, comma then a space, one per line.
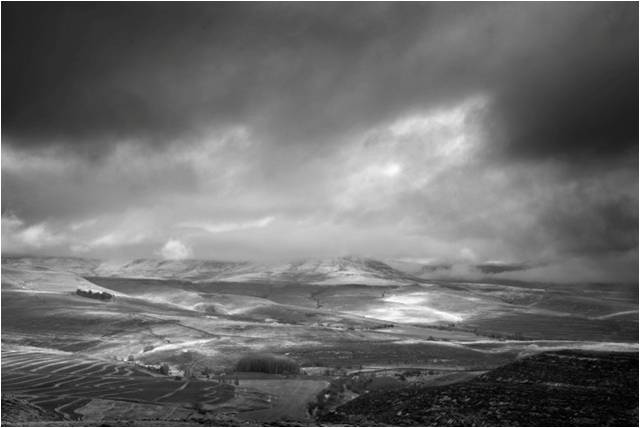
20, 412
565, 388
339, 270
36, 279
162, 346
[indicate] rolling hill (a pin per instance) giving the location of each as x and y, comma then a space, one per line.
340, 270
336, 318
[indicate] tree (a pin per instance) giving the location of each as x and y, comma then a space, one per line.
100, 295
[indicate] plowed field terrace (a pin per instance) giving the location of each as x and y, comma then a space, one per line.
63, 383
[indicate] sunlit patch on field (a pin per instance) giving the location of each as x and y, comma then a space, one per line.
408, 299
413, 314
534, 348
184, 346
413, 308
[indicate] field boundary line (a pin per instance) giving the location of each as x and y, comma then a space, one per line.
183, 386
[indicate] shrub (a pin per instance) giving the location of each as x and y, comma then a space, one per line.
267, 363
100, 295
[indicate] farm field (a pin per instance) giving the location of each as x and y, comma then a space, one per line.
163, 351
288, 398
66, 384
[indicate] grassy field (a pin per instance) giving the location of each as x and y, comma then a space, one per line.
68, 354
390, 354
289, 398
542, 326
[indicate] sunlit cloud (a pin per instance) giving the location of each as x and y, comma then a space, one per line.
391, 170
17, 235
413, 150
442, 119
10, 222
227, 226
117, 239
83, 224
175, 250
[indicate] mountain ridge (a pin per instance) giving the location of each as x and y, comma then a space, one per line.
321, 271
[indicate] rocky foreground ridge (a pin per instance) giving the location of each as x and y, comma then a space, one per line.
563, 388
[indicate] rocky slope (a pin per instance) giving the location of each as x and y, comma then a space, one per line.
19, 412
563, 388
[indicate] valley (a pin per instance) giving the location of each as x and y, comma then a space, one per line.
158, 342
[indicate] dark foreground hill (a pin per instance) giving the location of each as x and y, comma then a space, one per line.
563, 388
17, 411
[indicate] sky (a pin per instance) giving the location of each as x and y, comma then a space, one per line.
443, 132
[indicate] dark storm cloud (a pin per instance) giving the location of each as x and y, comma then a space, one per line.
564, 76
580, 225
91, 74
94, 72
299, 73
572, 90
502, 132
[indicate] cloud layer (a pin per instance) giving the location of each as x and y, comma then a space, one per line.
506, 131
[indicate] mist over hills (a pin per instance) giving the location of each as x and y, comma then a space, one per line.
333, 270
322, 271
340, 270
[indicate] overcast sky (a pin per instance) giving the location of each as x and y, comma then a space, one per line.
461, 132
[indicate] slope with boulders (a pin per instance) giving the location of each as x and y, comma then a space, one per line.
563, 388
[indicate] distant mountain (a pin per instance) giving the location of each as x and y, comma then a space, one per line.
329, 271
75, 265
340, 270
419, 268
41, 279
429, 269
186, 270
337, 270
499, 267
